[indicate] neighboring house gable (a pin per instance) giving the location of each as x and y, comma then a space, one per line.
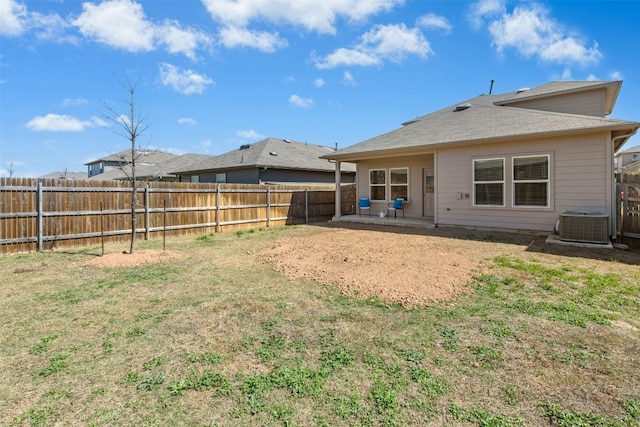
514, 160
271, 160
587, 98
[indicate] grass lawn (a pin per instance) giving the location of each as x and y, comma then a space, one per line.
216, 337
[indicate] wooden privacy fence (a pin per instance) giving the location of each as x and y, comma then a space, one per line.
45, 214
628, 192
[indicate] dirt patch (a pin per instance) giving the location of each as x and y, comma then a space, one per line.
411, 269
138, 257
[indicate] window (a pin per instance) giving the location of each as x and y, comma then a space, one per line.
531, 181
378, 184
488, 182
194, 178
399, 183
221, 178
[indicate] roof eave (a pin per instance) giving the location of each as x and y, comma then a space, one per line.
631, 127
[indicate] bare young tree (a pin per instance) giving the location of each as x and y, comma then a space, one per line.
130, 126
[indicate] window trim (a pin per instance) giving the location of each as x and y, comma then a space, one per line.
384, 185
515, 181
407, 185
503, 182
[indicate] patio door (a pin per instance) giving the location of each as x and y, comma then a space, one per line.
428, 191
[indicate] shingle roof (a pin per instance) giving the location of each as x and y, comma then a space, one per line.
272, 153
65, 175
482, 121
143, 156
147, 171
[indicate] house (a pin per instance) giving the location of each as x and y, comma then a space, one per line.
118, 160
512, 161
148, 171
271, 160
628, 161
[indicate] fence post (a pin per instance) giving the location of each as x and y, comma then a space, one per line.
146, 212
268, 206
217, 208
306, 206
39, 216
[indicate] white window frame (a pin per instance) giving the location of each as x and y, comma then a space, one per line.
503, 181
391, 184
384, 185
514, 181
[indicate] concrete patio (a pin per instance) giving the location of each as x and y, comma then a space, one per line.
375, 219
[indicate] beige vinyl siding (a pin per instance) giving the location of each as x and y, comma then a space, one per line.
578, 181
591, 103
415, 164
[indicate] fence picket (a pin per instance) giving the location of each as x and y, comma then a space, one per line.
43, 214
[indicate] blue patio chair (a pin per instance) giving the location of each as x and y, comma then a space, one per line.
398, 205
365, 205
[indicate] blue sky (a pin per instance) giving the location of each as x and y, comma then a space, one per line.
214, 74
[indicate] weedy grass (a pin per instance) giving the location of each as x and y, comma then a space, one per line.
216, 337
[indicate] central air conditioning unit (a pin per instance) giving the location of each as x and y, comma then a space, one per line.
586, 227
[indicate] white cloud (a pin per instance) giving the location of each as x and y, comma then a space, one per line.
311, 15
186, 82
13, 16
15, 20
134, 32
235, 37
319, 82
346, 57
382, 42
566, 74
186, 121
249, 134
532, 33
62, 123
181, 40
300, 102
592, 78
347, 79
205, 145
485, 9
616, 75
72, 102
431, 20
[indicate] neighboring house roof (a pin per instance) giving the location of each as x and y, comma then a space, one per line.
65, 175
142, 157
485, 118
146, 171
272, 153
630, 150
631, 168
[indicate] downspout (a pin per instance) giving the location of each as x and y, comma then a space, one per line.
614, 223
338, 192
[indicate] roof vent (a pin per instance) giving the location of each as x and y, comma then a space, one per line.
462, 107
523, 89
245, 146
273, 153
